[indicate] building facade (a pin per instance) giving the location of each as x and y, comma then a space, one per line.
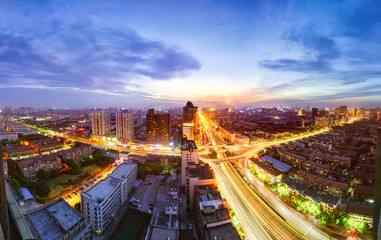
30, 167
100, 203
190, 115
189, 155
100, 123
124, 126
157, 128
77, 153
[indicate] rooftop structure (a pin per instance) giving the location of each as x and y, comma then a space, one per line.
277, 164
212, 217
58, 220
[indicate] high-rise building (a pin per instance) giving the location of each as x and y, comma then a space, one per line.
343, 111
315, 112
189, 155
190, 115
355, 112
124, 126
140, 117
103, 200
100, 123
8, 111
157, 128
324, 113
377, 189
4, 218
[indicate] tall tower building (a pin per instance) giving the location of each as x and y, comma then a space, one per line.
4, 218
124, 126
377, 189
355, 112
100, 123
315, 112
190, 115
157, 128
189, 154
8, 111
140, 117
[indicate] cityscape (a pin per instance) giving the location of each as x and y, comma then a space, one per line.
190, 120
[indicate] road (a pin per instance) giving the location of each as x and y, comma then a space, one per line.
255, 203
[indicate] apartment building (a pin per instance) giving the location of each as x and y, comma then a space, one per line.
100, 203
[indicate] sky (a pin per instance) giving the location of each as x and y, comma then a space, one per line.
213, 52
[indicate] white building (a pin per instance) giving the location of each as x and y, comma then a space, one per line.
189, 155
8, 135
188, 131
101, 202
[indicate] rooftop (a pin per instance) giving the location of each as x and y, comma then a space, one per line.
359, 209
188, 144
202, 171
64, 218
268, 167
277, 164
100, 191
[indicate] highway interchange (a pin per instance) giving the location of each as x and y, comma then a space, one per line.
262, 214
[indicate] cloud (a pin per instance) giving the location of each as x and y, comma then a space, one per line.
319, 51
286, 64
81, 55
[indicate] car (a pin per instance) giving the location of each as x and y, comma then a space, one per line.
76, 191
68, 196
81, 188
86, 185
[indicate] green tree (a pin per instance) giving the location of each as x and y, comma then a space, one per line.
141, 172
42, 188
77, 206
53, 173
17, 188
75, 168
42, 174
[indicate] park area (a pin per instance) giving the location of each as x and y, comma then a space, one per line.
66, 182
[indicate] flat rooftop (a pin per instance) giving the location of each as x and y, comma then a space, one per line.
105, 187
53, 220
277, 164
123, 170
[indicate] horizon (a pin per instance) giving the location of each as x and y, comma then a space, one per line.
262, 53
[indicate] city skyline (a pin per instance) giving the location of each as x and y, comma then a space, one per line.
225, 53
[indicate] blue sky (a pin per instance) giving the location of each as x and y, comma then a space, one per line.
151, 53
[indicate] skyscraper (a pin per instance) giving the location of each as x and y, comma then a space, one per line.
124, 126
157, 128
315, 112
100, 123
8, 111
140, 117
4, 218
343, 111
377, 188
190, 115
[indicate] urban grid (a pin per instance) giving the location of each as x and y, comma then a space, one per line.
194, 120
